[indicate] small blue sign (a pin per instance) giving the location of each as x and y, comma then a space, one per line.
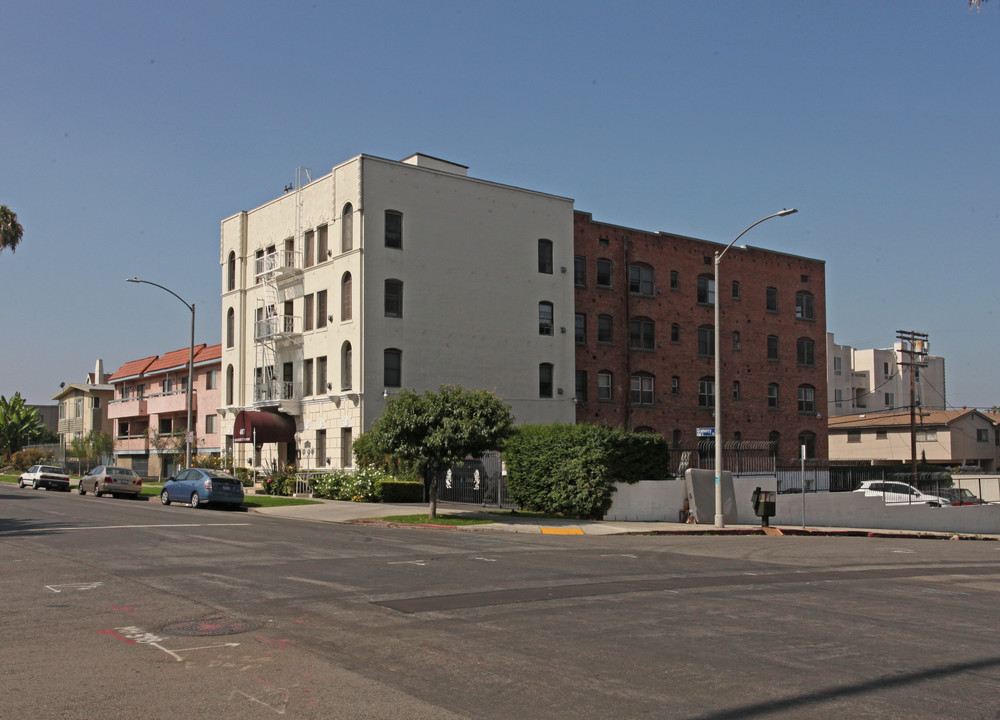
706, 432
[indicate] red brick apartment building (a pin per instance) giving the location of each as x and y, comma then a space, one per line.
645, 338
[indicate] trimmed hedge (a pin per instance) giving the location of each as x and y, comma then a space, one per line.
400, 491
572, 469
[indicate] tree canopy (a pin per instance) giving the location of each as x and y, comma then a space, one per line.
440, 429
10, 229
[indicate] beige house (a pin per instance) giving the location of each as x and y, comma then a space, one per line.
943, 437
83, 407
385, 275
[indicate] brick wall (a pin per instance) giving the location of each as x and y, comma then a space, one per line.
678, 415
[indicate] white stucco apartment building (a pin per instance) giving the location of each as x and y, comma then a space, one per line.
385, 275
878, 380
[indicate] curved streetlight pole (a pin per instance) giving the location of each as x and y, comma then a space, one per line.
190, 383
719, 522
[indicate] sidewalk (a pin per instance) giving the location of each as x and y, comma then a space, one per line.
332, 511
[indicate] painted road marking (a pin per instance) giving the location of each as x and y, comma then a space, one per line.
74, 586
125, 527
409, 562
562, 531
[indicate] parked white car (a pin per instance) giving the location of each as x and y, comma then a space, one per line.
49, 477
900, 493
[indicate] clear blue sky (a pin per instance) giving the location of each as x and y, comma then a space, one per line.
130, 130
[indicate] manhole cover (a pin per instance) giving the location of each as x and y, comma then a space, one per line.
207, 627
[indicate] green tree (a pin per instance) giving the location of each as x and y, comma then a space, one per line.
439, 429
19, 424
10, 229
94, 445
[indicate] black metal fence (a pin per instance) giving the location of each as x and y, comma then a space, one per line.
479, 481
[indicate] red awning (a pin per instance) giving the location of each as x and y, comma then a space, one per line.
258, 427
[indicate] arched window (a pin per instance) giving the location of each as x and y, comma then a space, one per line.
392, 374
229, 385
230, 328
545, 256
804, 306
346, 298
394, 229
641, 334
231, 271
545, 380
706, 392
706, 290
808, 441
642, 389
345, 366
807, 399
347, 228
706, 340
640, 279
805, 352
545, 318
394, 298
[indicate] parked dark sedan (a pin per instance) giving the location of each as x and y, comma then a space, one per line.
201, 486
960, 496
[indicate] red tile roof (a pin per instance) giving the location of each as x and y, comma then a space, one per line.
132, 368
173, 359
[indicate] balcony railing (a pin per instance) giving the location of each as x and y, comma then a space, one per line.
273, 391
279, 262
276, 326
127, 407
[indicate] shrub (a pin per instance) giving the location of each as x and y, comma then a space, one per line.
245, 476
358, 486
279, 480
213, 462
400, 491
24, 459
368, 456
571, 469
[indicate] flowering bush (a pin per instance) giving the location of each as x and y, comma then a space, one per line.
213, 462
358, 486
279, 480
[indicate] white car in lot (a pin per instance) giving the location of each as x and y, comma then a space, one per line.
50, 477
900, 493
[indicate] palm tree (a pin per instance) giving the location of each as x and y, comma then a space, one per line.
19, 424
10, 229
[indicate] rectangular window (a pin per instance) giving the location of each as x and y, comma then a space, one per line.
675, 281
307, 249
736, 389
642, 389
881, 435
393, 368
210, 424
580, 332
736, 339
807, 399
706, 393
641, 334
322, 243
603, 386
346, 447
394, 298
581, 386
926, 435
982, 435
838, 398
853, 436
706, 290
307, 377
806, 352
166, 426
321, 375
771, 299
321, 309
545, 315
675, 385
605, 329
604, 273
804, 306
307, 312
837, 365
580, 271
772, 395
736, 289
545, 373
890, 400
321, 448
212, 380
885, 371
772, 347
640, 280
393, 229
706, 340
545, 256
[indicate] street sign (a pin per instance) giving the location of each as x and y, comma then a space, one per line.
706, 432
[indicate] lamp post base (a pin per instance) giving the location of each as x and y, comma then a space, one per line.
719, 521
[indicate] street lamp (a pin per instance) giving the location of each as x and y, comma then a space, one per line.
190, 383
719, 522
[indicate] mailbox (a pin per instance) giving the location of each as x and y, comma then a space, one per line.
764, 502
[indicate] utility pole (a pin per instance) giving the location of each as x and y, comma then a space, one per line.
915, 345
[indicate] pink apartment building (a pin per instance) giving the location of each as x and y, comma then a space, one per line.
149, 409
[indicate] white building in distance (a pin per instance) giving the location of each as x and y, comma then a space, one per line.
384, 275
878, 380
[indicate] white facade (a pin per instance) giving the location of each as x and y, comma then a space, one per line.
878, 380
309, 298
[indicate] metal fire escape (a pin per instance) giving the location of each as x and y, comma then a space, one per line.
276, 329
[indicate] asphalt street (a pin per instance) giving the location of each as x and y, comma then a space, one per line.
120, 608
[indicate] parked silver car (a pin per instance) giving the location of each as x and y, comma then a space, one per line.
900, 493
112, 480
